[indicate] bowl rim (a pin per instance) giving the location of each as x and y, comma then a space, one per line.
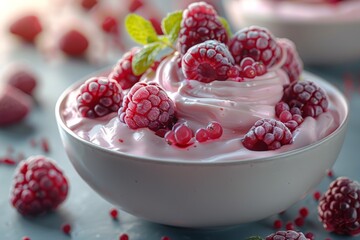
61, 123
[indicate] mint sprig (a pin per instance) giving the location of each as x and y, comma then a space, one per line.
143, 32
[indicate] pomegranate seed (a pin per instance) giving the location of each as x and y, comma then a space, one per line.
45, 145
280, 107
317, 195
110, 25
289, 226
66, 228
183, 135
26, 238
260, 68
7, 161
277, 224
124, 236
165, 238
247, 61
201, 135
249, 72
299, 221
304, 212
298, 118
170, 137
114, 213
285, 116
310, 236
330, 173
214, 130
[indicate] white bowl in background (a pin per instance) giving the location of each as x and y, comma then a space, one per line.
203, 194
322, 33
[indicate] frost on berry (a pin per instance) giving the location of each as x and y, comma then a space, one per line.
200, 23
39, 186
147, 105
286, 235
267, 134
293, 65
122, 71
207, 61
339, 207
257, 43
99, 96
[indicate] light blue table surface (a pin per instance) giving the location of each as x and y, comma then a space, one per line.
88, 213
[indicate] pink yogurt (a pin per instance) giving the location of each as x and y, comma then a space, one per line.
235, 105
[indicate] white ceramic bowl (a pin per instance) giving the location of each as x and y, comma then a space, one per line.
326, 39
203, 194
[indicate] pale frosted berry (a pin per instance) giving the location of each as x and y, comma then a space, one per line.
286, 235
26, 27
39, 186
147, 105
199, 23
308, 97
207, 61
293, 65
74, 43
339, 207
267, 134
201, 135
257, 43
99, 96
214, 130
122, 71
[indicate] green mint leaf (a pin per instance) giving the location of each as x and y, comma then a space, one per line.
255, 238
171, 25
146, 57
226, 25
140, 29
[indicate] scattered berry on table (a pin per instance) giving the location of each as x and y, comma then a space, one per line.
23, 79
39, 186
74, 43
147, 105
88, 4
277, 224
317, 195
66, 228
207, 61
200, 23
299, 221
257, 43
114, 213
99, 96
26, 27
110, 25
286, 235
124, 236
339, 207
267, 134
304, 212
122, 71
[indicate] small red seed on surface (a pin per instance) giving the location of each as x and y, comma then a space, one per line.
26, 238
310, 236
299, 221
114, 213
165, 238
277, 224
289, 226
121, 140
7, 161
329, 173
45, 145
317, 195
124, 236
304, 212
66, 228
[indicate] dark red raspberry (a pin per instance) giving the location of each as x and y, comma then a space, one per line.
123, 73
99, 96
26, 27
74, 43
286, 235
147, 105
307, 96
267, 134
293, 65
200, 23
39, 186
339, 207
257, 43
207, 61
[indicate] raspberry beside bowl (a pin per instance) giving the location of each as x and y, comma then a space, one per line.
203, 194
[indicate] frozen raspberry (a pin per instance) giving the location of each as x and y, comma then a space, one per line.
99, 96
290, 117
267, 134
14, 105
26, 27
123, 73
200, 23
39, 186
147, 105
339, 207
306, 96
74, 43
286, 235
22, 79
293, 65
207, 61
257, 43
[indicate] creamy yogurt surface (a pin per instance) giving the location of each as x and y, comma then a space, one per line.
235, 105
